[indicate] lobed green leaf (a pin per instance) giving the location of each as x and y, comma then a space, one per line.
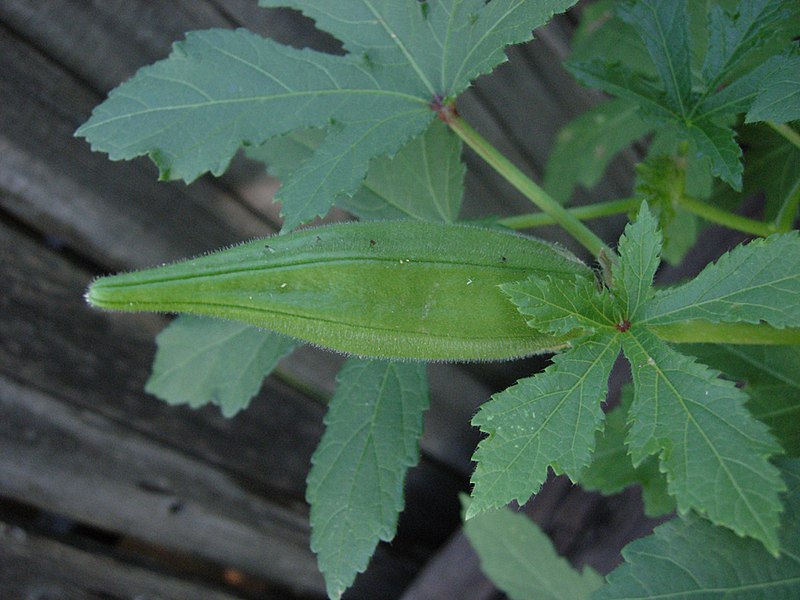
561, 306
735, 36
355, 487
757, 282
220, 90
210, 361
621, 81
718, 143
769, 376
738, 55
549, 419
779, 94
443, 45
664, 29
712, 450
690, 558
639, 253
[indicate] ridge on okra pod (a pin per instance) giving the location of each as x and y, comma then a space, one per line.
393, 289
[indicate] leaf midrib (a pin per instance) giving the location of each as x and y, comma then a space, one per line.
254, 99
690, 417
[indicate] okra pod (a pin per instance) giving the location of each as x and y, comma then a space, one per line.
396, 289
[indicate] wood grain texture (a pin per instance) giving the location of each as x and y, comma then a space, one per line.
52, 341
453, 573
90, 469
34, 567
86, 37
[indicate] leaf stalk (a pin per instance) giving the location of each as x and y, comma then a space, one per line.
787, 132
723, 217
705, 332
560, 215
591, 211
788, 212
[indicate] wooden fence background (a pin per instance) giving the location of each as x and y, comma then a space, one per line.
105, 492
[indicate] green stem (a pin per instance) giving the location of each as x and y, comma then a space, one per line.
787, 132
705, 332
706, 211
591, 211
523, 183
723, 217
788, 211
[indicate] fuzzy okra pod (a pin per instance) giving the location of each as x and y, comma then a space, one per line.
398, 289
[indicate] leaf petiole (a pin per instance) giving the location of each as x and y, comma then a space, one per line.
706, 332
623, 205
723, 217
590, 211
788, 212
787, 132
524, 184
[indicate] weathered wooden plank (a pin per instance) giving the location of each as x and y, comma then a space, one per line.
88, 37
52, 341
32, 566
453, 573
84, 466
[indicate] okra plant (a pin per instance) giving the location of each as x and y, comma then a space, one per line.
708, 426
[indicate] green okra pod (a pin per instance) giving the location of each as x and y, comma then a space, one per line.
397, 289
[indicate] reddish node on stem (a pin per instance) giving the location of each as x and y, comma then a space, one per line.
623, 326
445, 110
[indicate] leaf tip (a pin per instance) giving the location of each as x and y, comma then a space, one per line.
473, 510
